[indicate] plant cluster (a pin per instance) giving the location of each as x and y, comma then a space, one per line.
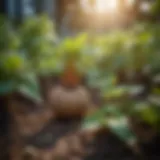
35, 48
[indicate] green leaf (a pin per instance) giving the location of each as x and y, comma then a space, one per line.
30, 87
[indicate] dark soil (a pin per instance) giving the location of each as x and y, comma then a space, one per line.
4, 128
106, 146
53, 132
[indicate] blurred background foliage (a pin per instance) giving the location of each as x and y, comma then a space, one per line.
35, 47
131, 54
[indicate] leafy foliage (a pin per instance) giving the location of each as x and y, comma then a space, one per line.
38, 39
36, 49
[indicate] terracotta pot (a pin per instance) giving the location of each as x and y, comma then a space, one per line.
70, 102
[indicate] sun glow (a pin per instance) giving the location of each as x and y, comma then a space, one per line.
106, 5
100, 6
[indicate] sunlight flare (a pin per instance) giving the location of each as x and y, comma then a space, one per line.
104, 6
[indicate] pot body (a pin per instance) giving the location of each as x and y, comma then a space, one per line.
73, 102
